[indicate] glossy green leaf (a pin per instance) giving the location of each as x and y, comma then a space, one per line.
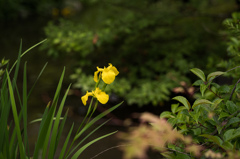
198, 83
216, 103
195, 116
174, 107
199, 73
179, 109
233, 120
166, 114
231, 106
184, 101
214, 139
222, 115
203, 88
228, 134
227, 145
201, 101
214, 74
224, 89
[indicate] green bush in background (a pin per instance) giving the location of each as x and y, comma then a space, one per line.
153, 43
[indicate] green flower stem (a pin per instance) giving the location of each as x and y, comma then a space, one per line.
89, 110
95, 107
96, 85
104, 86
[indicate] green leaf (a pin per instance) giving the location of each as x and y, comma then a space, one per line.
222, 115
96, 119
215, 103
203, 88
198, 83
228, 134
224, 89
76, 155
53, 142
235, 134
214, 139
85, 137
16, 118
199, 73
184, 101
214, 74
174, 107
201, 101
172, 121
219, 128
181, 156
232, 108
65, 143
17, 61
166, 114
195, 116
227, 145
232, 121
180, 108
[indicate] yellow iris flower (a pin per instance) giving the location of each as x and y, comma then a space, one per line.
108, 74
101, 96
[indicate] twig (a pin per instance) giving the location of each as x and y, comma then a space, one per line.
107, 150
234, 89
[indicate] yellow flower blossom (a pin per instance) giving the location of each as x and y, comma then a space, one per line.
108, 74
101, 96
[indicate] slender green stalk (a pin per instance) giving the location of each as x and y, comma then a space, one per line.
16, 120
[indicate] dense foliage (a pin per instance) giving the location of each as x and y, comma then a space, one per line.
153, 43
208, 127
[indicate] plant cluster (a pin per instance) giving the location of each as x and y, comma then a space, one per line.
14, 138
206, 128
151, 51
233, 44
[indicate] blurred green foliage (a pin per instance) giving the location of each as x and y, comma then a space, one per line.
232, 34
153, 43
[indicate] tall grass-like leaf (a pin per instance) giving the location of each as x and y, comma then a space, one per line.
21, 55
57, 93
5, 109
96, 119
60, 130
63, 150
91, 123
52, 147
16, 120
37, 80
47, 137
46, 124
78, 153
24, 109
89, 134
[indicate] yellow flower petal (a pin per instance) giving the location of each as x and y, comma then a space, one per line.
108, 76
96, 76
85, 98
101, 96
114, 69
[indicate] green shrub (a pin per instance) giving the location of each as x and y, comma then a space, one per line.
208, 127
153, 43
